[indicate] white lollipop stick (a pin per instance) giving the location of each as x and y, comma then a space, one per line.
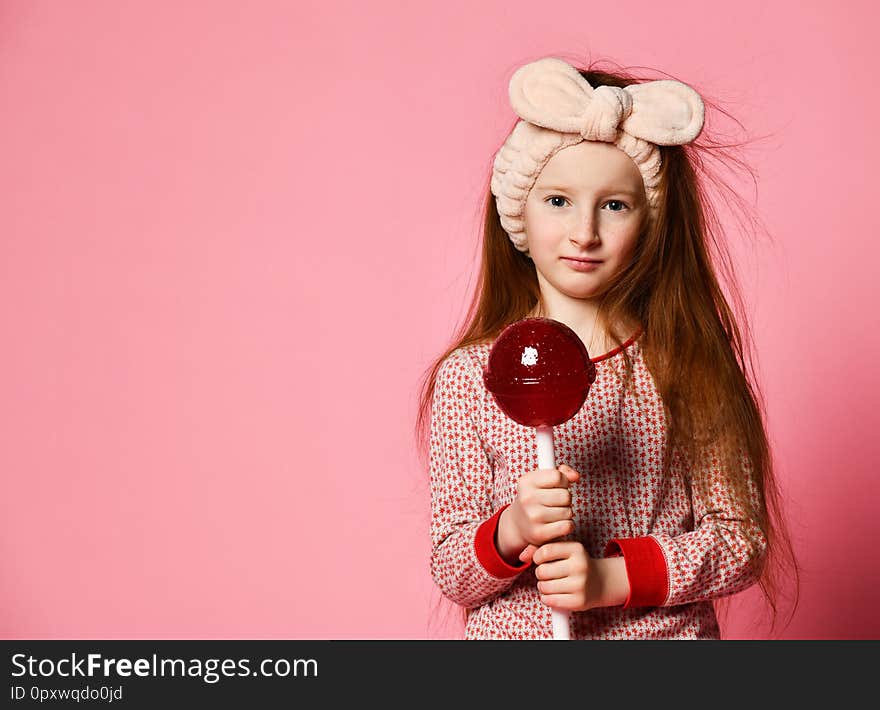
547, 459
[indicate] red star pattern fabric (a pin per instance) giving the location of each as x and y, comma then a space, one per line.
679, 553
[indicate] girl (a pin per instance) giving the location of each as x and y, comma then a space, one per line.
664, 500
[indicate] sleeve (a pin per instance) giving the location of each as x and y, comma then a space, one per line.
723, 555
465, 562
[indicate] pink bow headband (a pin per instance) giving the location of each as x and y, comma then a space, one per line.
559, 108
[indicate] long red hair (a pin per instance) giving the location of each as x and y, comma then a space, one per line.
693, 341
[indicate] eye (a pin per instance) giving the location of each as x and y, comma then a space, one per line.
620, 206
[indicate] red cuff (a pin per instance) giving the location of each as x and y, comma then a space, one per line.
487, 552
645, 569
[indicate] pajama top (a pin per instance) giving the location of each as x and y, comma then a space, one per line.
679, 553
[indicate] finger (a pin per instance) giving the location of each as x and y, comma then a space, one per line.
549, 571
569, 472
554, 497
527, 554
551, 530
558, 529
557, 550
562, 585
548, 515
563, 602
551, 478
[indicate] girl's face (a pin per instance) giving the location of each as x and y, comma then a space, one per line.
589, 203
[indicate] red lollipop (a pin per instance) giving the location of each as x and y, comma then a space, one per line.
539, 373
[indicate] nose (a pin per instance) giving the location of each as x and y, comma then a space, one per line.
588, 233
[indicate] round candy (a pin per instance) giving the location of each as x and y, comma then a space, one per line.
539, 372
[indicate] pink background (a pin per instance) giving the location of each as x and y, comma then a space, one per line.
235, 234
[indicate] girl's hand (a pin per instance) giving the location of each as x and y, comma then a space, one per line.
567, 575
541, 510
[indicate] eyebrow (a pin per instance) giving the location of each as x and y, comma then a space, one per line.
612, 191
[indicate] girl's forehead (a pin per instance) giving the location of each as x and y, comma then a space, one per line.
589, 163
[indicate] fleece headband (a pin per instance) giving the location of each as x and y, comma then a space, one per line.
559, 108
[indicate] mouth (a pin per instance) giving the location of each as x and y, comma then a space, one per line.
582, 261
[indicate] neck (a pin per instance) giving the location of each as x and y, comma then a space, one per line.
585, 320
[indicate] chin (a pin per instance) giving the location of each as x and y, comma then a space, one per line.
583, 293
